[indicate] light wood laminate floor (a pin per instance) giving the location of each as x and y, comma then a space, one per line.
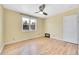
41, 46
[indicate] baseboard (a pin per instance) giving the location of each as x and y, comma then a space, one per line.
15, 41
1, 49
55, 38
62, 40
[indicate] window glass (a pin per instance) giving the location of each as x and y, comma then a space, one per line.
28, 23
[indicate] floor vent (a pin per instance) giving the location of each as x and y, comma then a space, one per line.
47, 35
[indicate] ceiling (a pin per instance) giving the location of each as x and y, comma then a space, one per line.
30, 9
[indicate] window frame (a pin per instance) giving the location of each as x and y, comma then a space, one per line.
29, 17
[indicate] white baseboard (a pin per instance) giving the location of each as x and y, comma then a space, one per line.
56, 38
15, 41
62, 40
1, 49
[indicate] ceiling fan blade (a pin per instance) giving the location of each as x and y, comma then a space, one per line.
45, 13
41, 8
37, 12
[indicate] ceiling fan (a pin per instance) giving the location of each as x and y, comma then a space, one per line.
41, 9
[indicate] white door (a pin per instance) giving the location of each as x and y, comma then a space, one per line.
70, 29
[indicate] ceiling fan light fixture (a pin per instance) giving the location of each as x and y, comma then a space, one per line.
40, 12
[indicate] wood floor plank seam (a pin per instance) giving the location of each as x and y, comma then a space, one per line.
41, 46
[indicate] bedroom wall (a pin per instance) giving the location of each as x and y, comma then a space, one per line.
13, 29
1, 29
54, 24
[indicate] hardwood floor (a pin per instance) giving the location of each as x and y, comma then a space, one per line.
41, 46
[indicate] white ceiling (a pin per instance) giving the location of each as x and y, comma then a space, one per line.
51, 9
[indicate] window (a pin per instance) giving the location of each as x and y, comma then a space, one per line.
28, 23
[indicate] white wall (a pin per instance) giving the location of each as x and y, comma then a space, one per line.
1, 28
78, 29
